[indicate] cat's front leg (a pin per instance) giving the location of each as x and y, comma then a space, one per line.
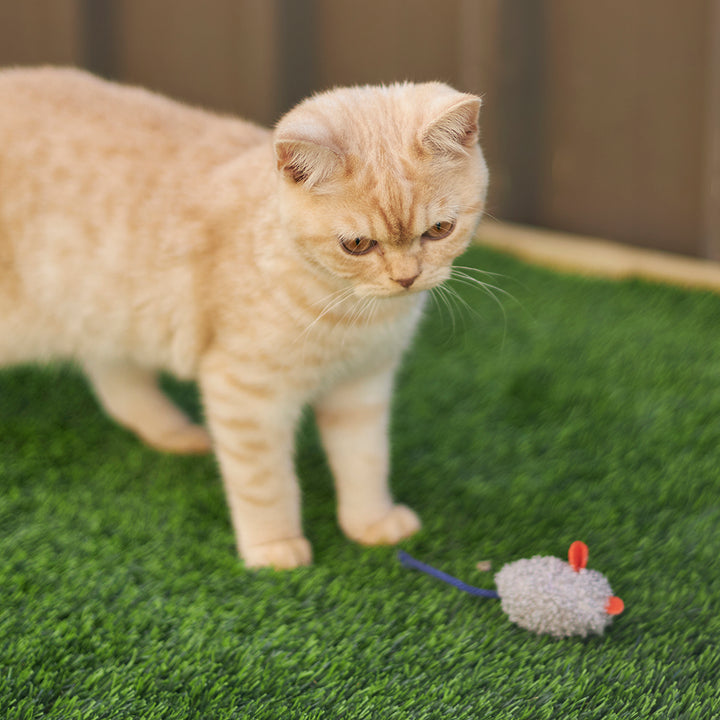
253, 435
353, 420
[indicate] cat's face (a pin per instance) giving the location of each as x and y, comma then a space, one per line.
382, 187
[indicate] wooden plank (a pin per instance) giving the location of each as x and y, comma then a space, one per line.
382, 42
521, 64
596, 257
34, 32
711, 196
478, 53
625, 96
220, 54
99, 40
296, 51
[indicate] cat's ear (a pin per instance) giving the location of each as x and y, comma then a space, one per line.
455, 128
305, 158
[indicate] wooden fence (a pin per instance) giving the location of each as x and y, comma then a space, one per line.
599, 118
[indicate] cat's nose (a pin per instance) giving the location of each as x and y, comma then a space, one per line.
406, 282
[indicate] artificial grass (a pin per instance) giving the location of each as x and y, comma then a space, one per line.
583, 410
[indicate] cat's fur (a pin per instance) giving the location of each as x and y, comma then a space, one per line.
137, 235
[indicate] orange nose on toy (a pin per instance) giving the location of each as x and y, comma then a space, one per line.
614, 605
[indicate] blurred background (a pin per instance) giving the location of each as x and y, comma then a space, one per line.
599, 118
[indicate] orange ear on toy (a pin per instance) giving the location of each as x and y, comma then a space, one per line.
578, 555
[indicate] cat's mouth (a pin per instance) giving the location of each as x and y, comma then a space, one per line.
394, 291
423, 282
389, 287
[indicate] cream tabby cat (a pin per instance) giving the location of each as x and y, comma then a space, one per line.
278, 269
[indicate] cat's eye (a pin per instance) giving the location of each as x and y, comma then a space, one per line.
358, 245
439, 230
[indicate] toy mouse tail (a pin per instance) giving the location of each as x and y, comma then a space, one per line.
410, 562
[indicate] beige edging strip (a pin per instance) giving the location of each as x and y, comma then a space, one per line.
602, 258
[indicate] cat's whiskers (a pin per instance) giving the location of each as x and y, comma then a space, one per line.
488, 273
373, 309
439, 294
369, 312
464, 278
460, 273
332, 301
360, 312
355, 314
336, 293
445, 295
460, 300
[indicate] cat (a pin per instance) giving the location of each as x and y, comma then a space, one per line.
278, 269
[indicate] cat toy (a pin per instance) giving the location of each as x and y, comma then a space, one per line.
545, 594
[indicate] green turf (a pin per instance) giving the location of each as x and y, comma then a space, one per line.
580, 410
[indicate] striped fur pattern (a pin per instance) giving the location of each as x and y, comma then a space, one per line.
277, 268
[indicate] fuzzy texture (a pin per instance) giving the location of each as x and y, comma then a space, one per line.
546, 595
139, 235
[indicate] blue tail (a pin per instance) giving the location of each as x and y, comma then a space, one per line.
410, 562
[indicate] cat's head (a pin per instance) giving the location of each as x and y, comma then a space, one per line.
382, 187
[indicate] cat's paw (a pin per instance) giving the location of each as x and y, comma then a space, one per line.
399, 523
187, 439
279, 554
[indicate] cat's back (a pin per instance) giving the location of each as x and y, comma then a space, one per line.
105, 195
50, 107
